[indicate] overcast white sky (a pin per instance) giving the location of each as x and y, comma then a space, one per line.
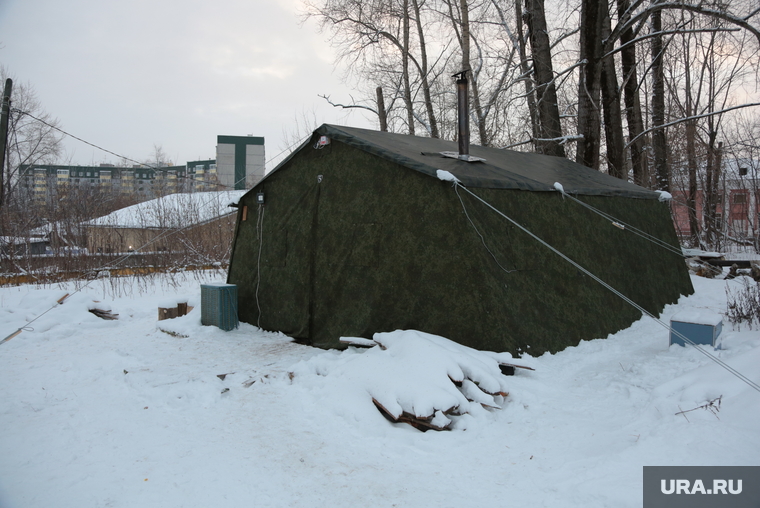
175, 73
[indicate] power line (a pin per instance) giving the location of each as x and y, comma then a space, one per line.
150, 166
119, 261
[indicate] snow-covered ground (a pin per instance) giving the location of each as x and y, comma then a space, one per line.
97, 413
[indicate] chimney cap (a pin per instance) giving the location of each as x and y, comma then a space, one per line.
461, 76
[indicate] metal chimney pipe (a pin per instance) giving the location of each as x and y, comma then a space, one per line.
463, 112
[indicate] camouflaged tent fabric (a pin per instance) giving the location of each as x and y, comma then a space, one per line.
350, 243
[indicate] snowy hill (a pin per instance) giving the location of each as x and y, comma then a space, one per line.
172, 211
123, 414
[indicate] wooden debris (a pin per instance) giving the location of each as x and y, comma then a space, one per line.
174, 334
508, 369
423, 423
104, 314
358, 342
475, 385
9, 337
222, 376
173, 312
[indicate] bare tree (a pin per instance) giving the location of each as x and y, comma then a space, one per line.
550, 128
32, 134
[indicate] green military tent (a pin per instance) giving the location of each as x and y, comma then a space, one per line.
354, 234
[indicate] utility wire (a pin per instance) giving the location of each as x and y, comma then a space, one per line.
149, 166
119, 261
638, 307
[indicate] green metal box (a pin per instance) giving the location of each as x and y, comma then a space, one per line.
219, 305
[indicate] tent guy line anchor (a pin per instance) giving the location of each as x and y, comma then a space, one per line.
446, 176
621, 224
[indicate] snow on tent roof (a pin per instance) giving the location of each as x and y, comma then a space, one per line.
172, 211
502, 169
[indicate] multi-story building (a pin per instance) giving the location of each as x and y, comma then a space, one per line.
736, 198
240, 161
204, 176
239, 165
46, 180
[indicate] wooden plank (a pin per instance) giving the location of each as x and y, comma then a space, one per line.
9, 337
358, 341
516, 366
167, 313
740, 263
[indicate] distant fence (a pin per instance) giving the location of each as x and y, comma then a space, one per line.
56, 269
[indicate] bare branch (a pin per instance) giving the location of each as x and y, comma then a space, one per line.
695, 117
347, 106
667, 32
698, 9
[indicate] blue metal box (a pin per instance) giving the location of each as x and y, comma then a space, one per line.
700, 327
219, 306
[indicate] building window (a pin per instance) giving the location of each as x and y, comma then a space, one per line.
742, 171
740, 199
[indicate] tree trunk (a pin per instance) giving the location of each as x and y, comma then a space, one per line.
482, 131
467, 66
632, 103
550, 128
691, 155
712, 192
405, 70
381, 113
424, 73
691, 196
589, 81
465, 40
613, 120
659, 141
525, 70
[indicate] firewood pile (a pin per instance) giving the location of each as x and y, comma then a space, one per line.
428, 381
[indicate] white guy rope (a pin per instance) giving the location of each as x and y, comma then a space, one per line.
638, 307
622, 225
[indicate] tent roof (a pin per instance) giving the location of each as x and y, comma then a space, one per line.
502, 169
